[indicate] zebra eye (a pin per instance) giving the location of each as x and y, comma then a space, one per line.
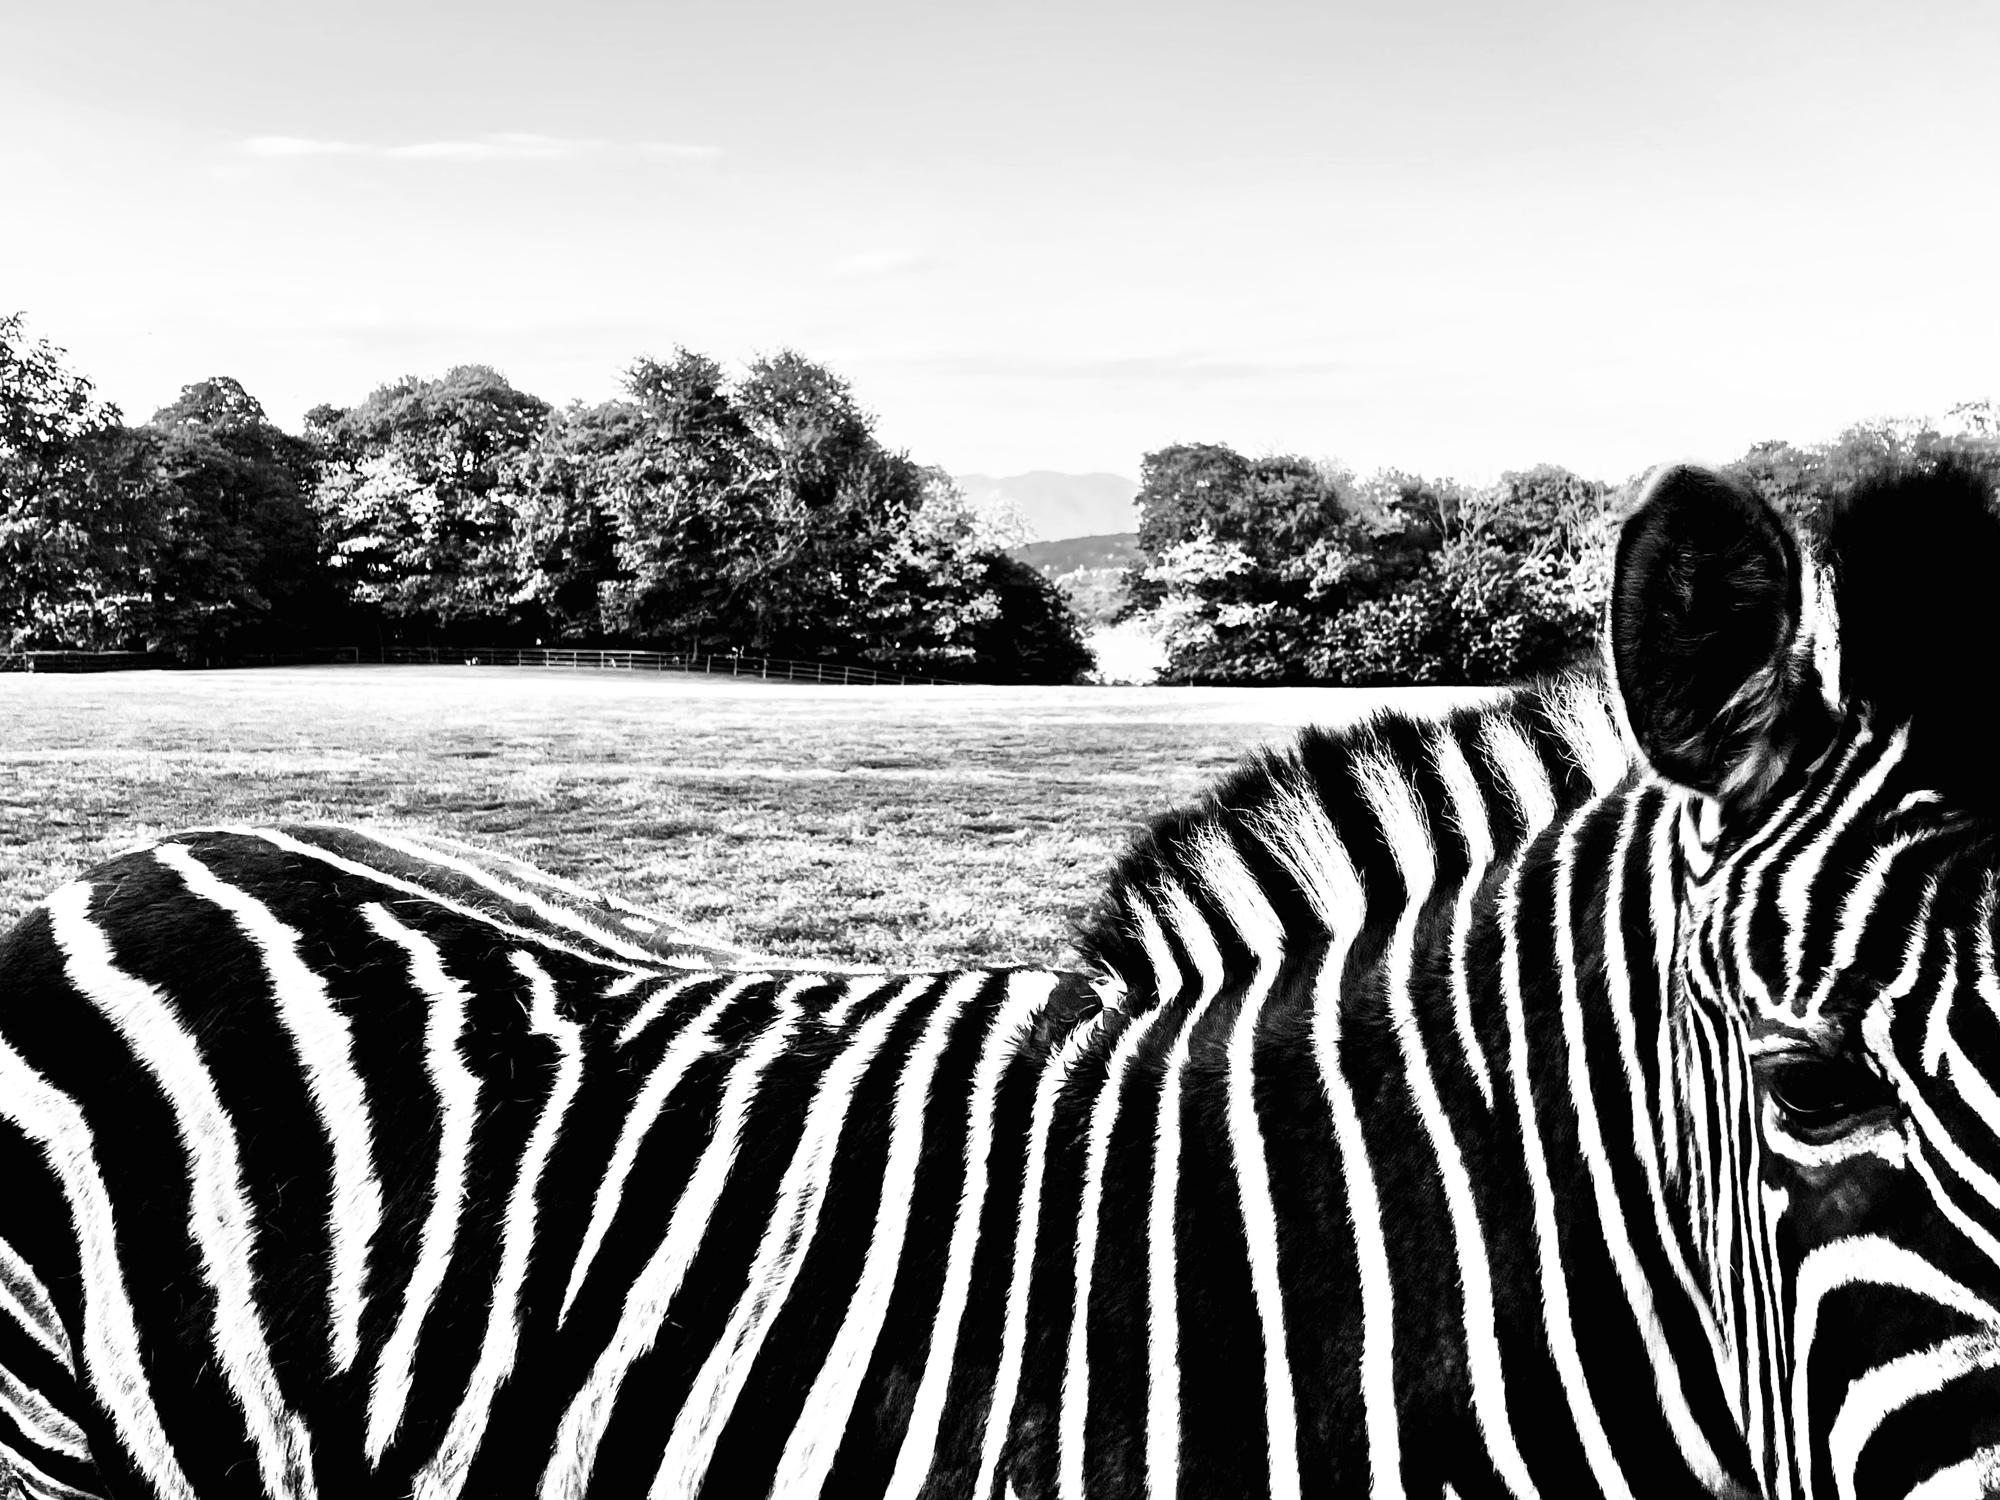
1820, 1095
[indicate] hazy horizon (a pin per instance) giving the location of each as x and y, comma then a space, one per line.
1439, 236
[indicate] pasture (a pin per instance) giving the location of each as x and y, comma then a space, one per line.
914, 826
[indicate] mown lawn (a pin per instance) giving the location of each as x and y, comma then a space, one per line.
905, 825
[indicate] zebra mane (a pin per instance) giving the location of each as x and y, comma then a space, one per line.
1528, 755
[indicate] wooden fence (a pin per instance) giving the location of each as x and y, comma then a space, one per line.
726, 664
721, 663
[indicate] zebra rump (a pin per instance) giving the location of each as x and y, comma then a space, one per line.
1593, 1092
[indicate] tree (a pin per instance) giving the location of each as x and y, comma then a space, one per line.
414, 496
74, 501
565, 535
236, 564
1030, 634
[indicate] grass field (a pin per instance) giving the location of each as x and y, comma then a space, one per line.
863, 824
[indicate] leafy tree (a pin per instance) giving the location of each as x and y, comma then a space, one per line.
74, 504
677, 493
566, 539
1031, 633
237, 545
415, 499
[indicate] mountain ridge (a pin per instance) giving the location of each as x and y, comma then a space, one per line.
1056, 506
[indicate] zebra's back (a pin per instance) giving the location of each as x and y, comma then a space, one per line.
398, 1191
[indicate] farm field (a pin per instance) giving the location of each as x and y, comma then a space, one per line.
912, 826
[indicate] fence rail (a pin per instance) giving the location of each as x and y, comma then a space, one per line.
720, 663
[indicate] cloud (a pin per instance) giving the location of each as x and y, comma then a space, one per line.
497, 146
1170, 367
272, 146
887, 262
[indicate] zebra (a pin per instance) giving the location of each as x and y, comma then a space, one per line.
1588, 1092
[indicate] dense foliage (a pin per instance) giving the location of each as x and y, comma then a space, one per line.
1278, 570
758, 515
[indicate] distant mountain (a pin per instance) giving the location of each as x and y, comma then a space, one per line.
1056, 506
1118, 550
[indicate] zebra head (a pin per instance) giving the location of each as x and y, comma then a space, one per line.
1835, 1030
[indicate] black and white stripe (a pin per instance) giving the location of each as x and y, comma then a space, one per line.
1448, 1106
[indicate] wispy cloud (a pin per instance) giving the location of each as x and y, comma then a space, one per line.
885, 262
1172, 367
497, 146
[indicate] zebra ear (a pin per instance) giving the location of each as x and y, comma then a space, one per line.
1704, 609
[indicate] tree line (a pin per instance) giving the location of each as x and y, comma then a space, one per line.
1280, 569
696, 512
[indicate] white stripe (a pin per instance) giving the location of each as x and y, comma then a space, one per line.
1774, 1201
686, 1049
1745, 888
1969, 1479
220, 1219
1864, 1260
1556, 1316
1371, 1252
117, 1374
31, 1412
1875, 1031
1521, 772
815, 1441
324, 1046
278, 839
1390, 798
1236, 890
1583, 719
34, 1484
1007, 1379
1795, 886
1669, 1384
1159, 953
458, 1111
1818, 632
1937, 1025
1883, 1391
1469, 813
1857, 913
1651, 1149
1299, 833
852, 993
444, 1476
1103, 1120
555, 916
26, 1302
788, 1235
1028, 995
1163, 1371
651, 1295
656, 1005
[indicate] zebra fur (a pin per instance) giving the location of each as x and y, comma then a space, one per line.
1441, 1109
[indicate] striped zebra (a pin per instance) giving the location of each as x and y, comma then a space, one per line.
1450, 1106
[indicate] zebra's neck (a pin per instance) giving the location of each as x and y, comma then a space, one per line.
1325, 826
1357, 895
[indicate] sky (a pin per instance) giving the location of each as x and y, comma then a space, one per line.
1448, 236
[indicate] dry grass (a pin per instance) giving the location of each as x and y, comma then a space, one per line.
866, 824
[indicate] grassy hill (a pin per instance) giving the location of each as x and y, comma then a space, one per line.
1119, 549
